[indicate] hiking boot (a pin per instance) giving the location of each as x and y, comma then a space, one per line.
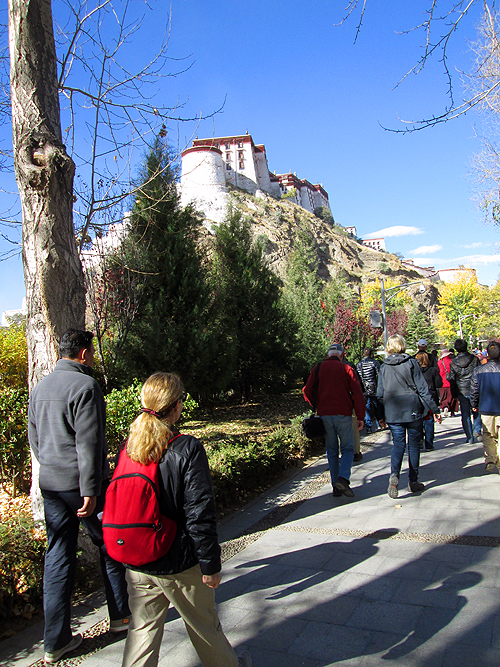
244, 659
357, 457
490, 467
342, 485
392, 491
52, 657
336, 493
120, 625
415, 487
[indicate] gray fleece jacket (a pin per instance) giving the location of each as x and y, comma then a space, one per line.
66, 430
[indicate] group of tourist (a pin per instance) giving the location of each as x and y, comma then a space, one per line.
407, 394
66, 430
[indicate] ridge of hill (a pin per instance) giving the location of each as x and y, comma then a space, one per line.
339, 255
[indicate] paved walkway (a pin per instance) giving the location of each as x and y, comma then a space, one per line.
311, 580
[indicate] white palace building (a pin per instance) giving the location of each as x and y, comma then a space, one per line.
210, 166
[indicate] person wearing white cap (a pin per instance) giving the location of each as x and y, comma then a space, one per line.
338, 393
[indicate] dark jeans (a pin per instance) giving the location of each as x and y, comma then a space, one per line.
429, 432
399, 431
470, 429
371, 411
60, 565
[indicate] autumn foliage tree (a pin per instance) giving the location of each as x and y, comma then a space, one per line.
459, 307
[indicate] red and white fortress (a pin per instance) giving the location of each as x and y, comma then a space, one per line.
210, 166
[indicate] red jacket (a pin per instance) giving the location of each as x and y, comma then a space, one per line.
444, 367
339, 392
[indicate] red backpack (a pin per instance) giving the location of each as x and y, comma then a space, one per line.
135, 532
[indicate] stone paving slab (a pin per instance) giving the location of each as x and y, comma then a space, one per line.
347, 582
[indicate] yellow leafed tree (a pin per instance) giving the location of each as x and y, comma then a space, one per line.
459, 307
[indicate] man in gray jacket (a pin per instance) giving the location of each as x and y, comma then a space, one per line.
66, 431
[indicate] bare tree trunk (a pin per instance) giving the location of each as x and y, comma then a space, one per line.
44, 172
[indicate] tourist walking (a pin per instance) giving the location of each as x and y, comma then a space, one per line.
461, 369
485, 398
448, 399
406, 400
188, 573
67, 435
338, 393
434, 382
368, 369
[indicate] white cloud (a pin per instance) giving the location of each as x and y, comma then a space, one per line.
469, 261
425, 250
397, 230
478, 244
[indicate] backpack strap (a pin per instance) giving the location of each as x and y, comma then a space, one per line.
315, 388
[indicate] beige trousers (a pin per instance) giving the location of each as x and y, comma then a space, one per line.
149, 599
357, 440
491, 437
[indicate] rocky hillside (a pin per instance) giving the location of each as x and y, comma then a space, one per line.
338, 254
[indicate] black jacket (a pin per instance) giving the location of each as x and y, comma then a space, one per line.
485, 388
434, 381
368, 369
461, 369
403, 390
187, 497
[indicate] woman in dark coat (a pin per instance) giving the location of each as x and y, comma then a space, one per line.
188, 573
434, 382
406, 400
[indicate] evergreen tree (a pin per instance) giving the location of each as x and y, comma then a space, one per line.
305, 301
169, 328
255, 328
419, 326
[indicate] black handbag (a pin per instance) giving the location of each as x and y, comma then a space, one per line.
313, 427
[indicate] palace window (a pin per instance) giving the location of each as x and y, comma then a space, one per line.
240, 144
227, 144
242, 164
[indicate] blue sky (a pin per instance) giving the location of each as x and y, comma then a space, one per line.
293, 77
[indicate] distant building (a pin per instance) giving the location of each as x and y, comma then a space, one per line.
450, 275
306, 194
210, 165
424, 271
375, 244
13, 316
351, 231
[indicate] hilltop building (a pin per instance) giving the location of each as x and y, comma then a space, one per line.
375, 244
210, 166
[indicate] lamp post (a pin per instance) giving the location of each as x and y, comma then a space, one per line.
385, 300
461, 318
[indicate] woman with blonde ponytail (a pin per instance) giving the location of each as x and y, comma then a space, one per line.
190, 571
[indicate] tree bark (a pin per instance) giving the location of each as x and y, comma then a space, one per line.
53, 273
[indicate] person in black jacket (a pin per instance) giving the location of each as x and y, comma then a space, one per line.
461, 369
406, 400
368, 369
485, 398
434, 382
190, 571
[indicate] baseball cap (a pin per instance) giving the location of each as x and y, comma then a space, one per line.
422, 342
336, 347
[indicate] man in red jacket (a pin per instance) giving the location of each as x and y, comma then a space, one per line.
338, 393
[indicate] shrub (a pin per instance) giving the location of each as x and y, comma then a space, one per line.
14, 448
243, 467
384, 268
13, 356
22, 552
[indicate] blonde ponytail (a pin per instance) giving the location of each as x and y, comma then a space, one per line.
151, 430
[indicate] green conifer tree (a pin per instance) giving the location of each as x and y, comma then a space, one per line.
170, 328
255, 328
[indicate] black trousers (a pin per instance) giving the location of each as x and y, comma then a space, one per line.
60, 565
